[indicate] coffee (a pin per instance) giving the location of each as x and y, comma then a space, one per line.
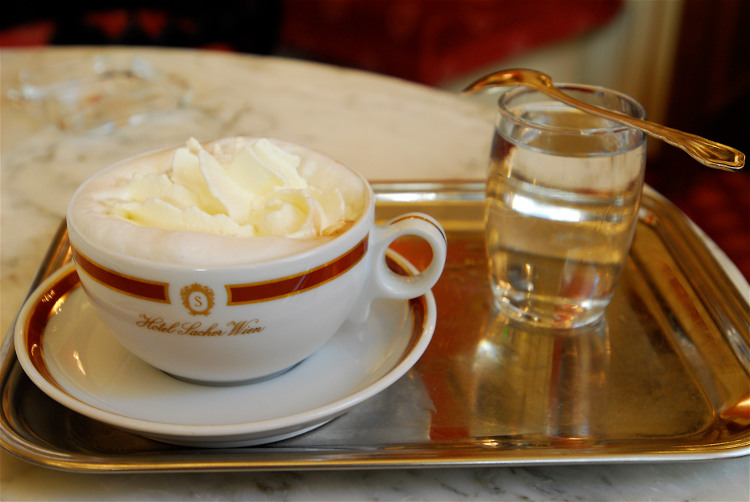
235, 200
236, 261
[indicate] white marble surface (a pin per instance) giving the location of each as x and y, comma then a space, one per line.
387, 129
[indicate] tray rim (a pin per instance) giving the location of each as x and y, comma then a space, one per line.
405, 456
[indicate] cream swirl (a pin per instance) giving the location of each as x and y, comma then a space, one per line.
234, 200
241, 188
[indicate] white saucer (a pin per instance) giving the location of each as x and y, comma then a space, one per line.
69, 354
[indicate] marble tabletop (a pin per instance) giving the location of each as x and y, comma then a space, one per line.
386, 128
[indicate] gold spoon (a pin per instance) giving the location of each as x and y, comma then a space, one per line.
708, 153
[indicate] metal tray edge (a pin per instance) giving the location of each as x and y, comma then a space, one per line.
238, 459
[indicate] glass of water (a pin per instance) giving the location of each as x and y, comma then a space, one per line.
562, 201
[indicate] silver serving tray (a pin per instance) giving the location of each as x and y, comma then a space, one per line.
665, 378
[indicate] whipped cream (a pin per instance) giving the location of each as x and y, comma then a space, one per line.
230, 201
241, 188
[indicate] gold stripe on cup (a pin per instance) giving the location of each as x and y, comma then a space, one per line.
241, 294
420, 217
132, 286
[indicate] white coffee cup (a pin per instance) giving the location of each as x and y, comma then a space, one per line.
226, 324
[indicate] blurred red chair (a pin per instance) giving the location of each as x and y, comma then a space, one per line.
241, 25
429, 41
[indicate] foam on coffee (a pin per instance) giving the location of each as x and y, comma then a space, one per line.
235, 200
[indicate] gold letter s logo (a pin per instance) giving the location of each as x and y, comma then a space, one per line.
197, 299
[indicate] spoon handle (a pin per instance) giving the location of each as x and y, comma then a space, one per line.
708, 153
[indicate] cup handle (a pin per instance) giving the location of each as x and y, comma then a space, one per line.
382, 282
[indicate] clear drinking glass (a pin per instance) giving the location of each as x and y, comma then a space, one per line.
562, 201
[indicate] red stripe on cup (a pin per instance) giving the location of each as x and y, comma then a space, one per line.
239, 294
132, 286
